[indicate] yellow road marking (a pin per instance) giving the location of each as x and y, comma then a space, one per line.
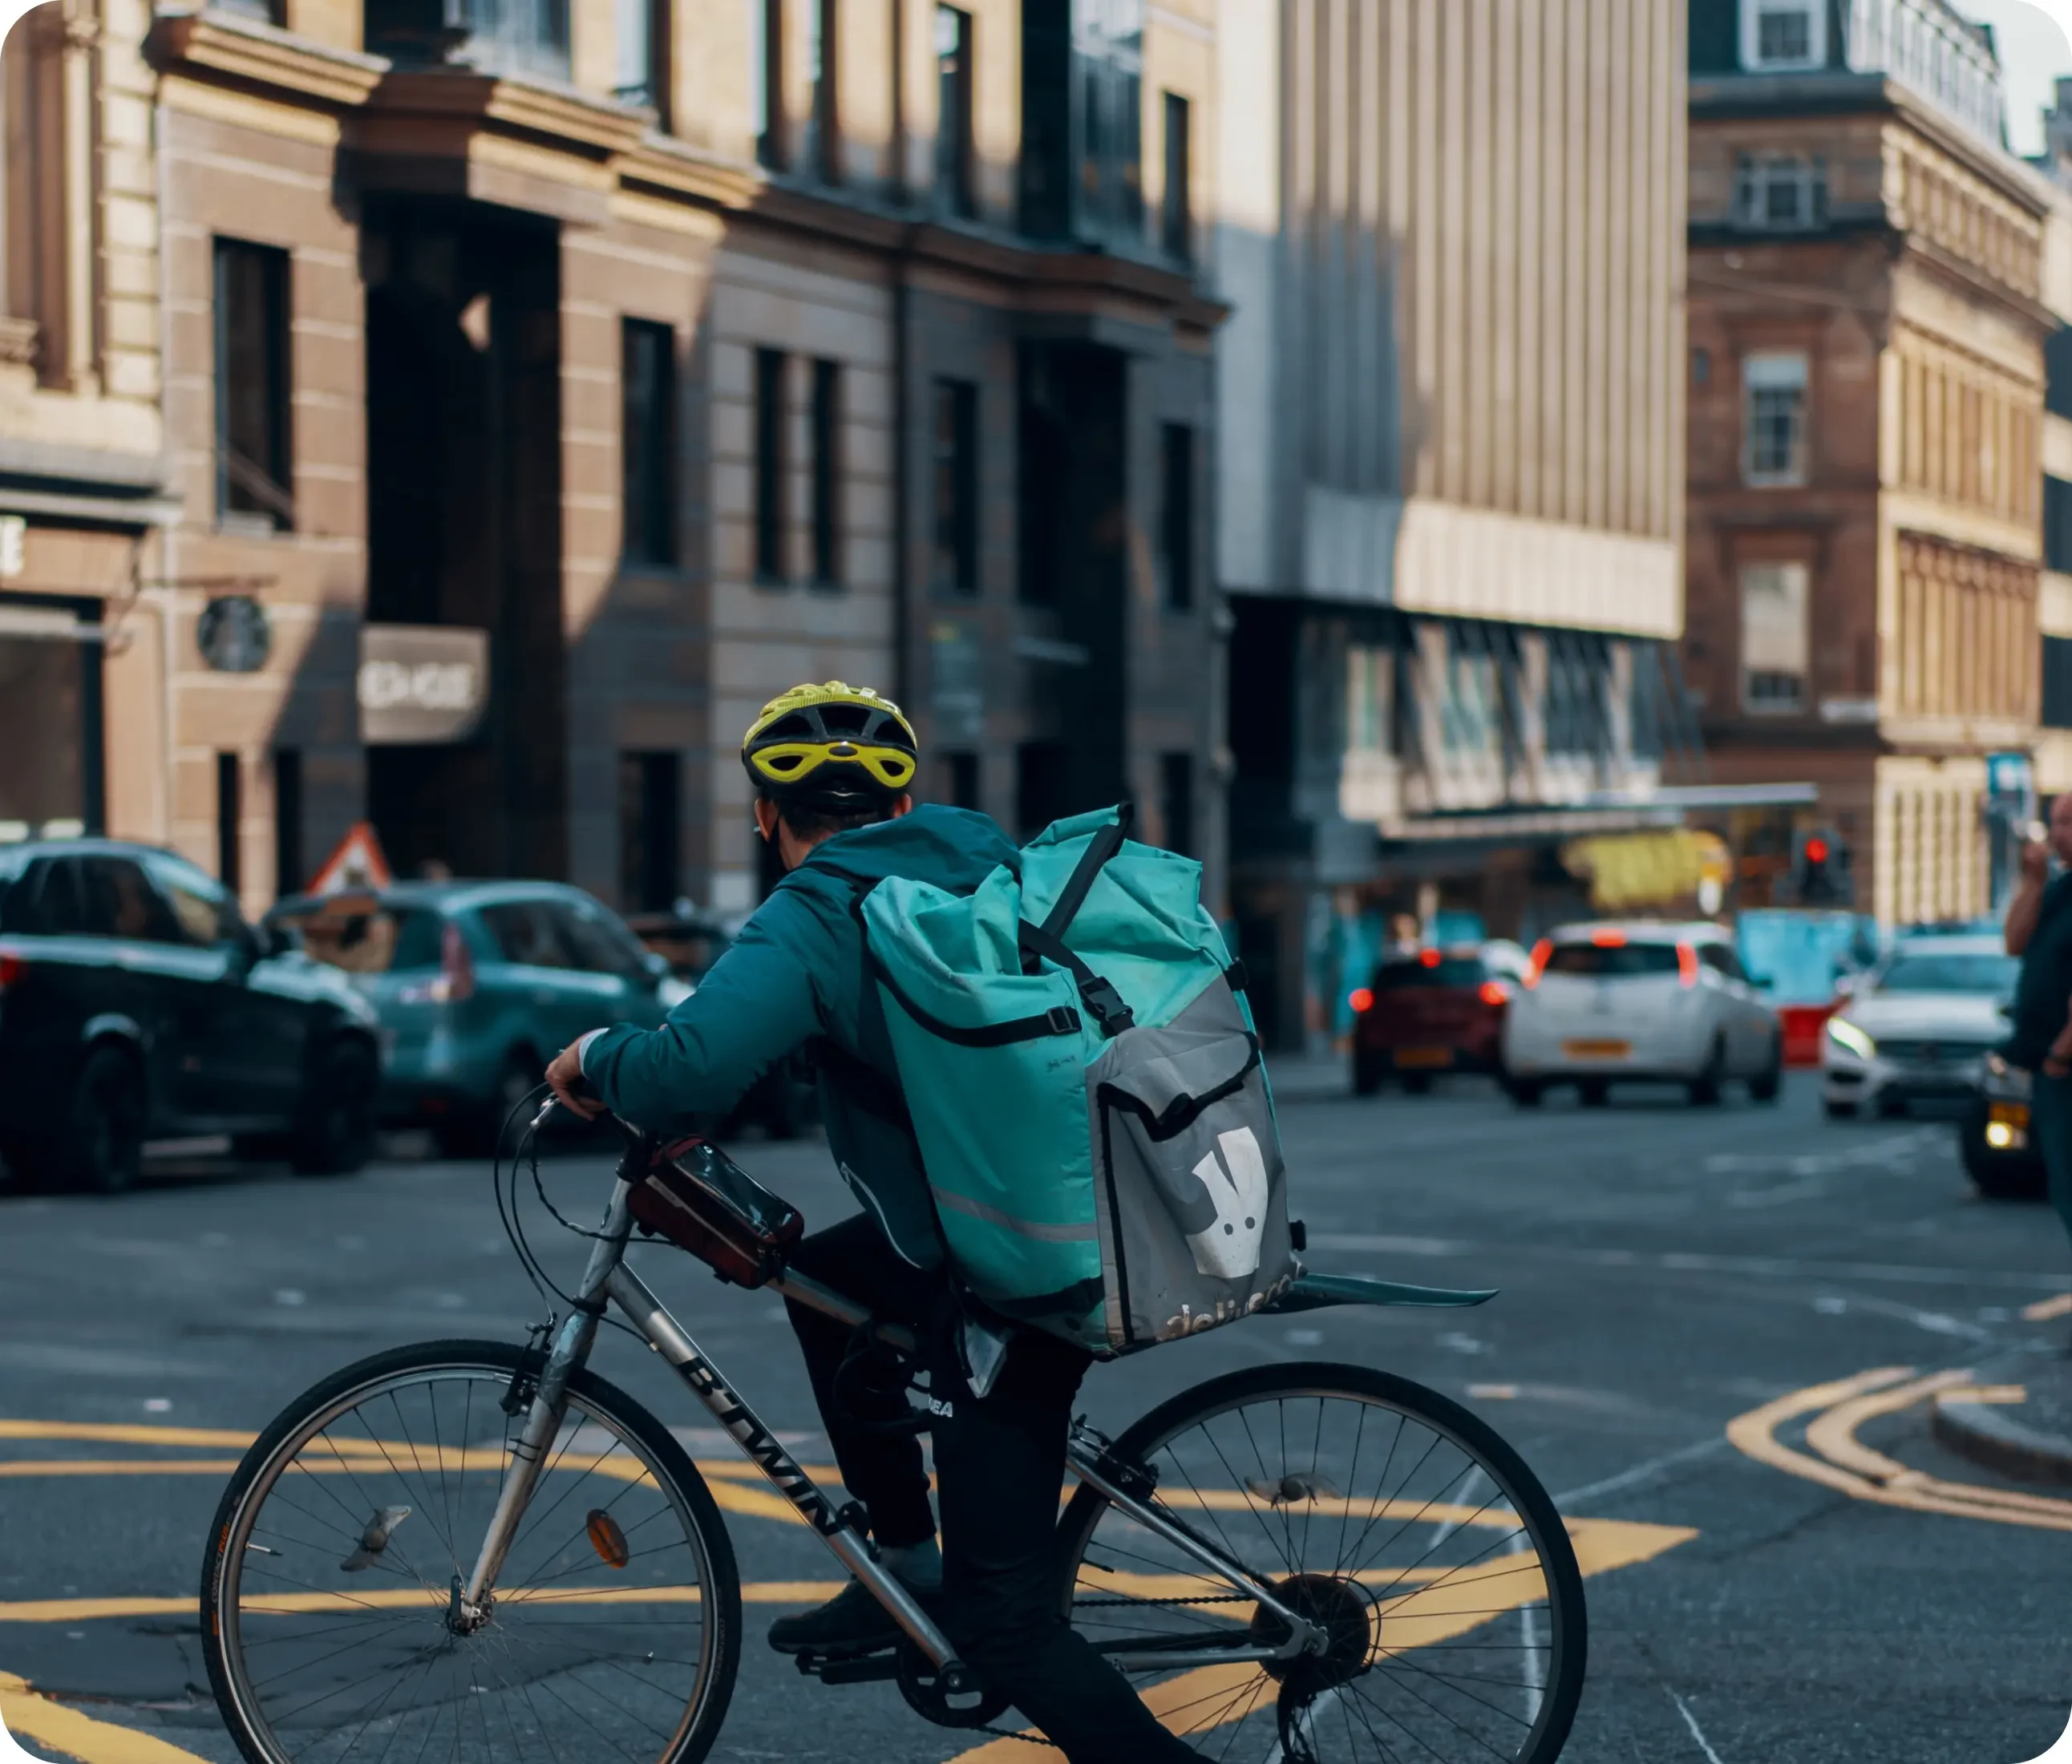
2044, 1309
1853, 1469
31, 1716
1982, 1393
1212, 1697
124, 1433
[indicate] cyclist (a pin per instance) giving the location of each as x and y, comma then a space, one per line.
833, 767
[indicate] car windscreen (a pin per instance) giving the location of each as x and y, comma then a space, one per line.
384, 941
1950, 971
1611, 961
1397, 977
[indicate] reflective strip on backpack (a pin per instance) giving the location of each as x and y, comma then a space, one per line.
1022, 1227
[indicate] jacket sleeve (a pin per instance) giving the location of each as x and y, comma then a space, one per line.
760, 1002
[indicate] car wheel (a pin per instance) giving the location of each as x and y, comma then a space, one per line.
1593, 1093
479, 1130
103, 1146
1526, 1092
1418, 1084
336, 1135
1706, 1087
1767, 1085
1366, 1076
1835, 1110
1998, 1181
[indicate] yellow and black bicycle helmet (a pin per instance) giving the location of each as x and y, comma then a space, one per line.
834, 749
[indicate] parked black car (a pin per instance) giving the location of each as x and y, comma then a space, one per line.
1996, 1138
136, 1003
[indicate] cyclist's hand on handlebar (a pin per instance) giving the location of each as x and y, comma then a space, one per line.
566, 1076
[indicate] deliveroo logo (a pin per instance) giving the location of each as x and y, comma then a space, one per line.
1228, 1247
2059, 1754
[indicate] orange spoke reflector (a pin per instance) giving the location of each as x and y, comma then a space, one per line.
607, 1540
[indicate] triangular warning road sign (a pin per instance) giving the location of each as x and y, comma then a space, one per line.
357, 862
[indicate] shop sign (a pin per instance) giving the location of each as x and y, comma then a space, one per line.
234, 634
422, 685
1626, 871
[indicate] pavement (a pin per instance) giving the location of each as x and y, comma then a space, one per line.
1745, 1325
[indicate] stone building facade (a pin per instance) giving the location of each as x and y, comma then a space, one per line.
686, 351
1868, 323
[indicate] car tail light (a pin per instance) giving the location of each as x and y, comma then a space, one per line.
1495, 992
1361, 999
1609, 939
1429, 957
12, 968
1687, 965
1540, 951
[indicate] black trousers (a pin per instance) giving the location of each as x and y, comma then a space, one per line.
1000, 1464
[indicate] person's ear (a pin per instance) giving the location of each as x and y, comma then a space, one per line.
903, 804
765, 818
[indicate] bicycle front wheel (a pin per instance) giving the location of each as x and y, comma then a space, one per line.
1414, 1539
328, 1588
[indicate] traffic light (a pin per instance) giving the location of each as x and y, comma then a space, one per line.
1820, 870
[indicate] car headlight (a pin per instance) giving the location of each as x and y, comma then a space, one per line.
1844, 1033
2002, 1080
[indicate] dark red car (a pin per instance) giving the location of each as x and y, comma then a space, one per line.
1434, 1011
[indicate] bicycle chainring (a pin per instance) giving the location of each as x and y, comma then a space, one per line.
921, 1684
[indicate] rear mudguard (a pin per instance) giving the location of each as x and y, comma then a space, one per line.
1315, 1292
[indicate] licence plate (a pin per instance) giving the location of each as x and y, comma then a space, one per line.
2008, 1114
1597, 1050
1425, 1056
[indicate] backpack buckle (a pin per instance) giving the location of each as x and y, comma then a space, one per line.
1105, 1004
1063, 1019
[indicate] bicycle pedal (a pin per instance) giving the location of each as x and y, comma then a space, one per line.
851, 1668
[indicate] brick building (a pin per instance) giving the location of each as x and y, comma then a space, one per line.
1867, 334
685, 350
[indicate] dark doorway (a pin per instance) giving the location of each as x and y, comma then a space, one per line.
1075, 543
463, 413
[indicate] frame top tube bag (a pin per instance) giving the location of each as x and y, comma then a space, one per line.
1086, 1089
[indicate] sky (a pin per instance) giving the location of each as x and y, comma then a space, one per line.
2034, 38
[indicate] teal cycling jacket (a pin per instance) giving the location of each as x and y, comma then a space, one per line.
794, 980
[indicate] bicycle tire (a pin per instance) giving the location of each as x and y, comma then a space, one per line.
1480, 1444
274, 1453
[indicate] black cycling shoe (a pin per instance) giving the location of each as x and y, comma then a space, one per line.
850, 1622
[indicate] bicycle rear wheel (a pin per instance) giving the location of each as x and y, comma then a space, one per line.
1395, 1521
616, 1629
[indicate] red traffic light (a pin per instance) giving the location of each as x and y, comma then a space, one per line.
1816, 851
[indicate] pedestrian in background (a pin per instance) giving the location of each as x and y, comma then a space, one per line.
2039, 930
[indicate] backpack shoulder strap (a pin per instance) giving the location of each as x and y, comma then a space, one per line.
1046, 942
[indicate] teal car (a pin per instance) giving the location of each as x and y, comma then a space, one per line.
476, 986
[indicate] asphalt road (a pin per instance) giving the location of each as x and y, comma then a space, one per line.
1669, 1278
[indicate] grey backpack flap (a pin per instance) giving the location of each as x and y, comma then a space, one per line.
1191, 1191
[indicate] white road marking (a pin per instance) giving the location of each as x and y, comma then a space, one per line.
1697, 1733
1642, 1472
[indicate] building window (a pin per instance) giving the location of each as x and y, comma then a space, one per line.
1775, 641
1176, 516
953, 110
253, 473
229, 816
960, 780
1701, 367
1774, 443
1471, 704
1370, 700
1572, 710
528, 37
650, 830
641, 78
1176, 801
2058, 682
823, 58
956, 569
770, 465
1175, 212
647, 442
2057, 524
1040, 794
1109, 67
1783, 36
1780, 192
288, 872
826, 473
766, 32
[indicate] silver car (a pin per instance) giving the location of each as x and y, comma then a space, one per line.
1918, 1027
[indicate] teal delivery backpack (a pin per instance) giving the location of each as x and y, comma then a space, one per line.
1086, 1089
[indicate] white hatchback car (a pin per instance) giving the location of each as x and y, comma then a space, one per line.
1918, 1027
1603, 1003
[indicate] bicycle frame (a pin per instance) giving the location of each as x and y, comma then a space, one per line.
606, 1277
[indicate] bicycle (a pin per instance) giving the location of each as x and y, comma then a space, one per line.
467, 1549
